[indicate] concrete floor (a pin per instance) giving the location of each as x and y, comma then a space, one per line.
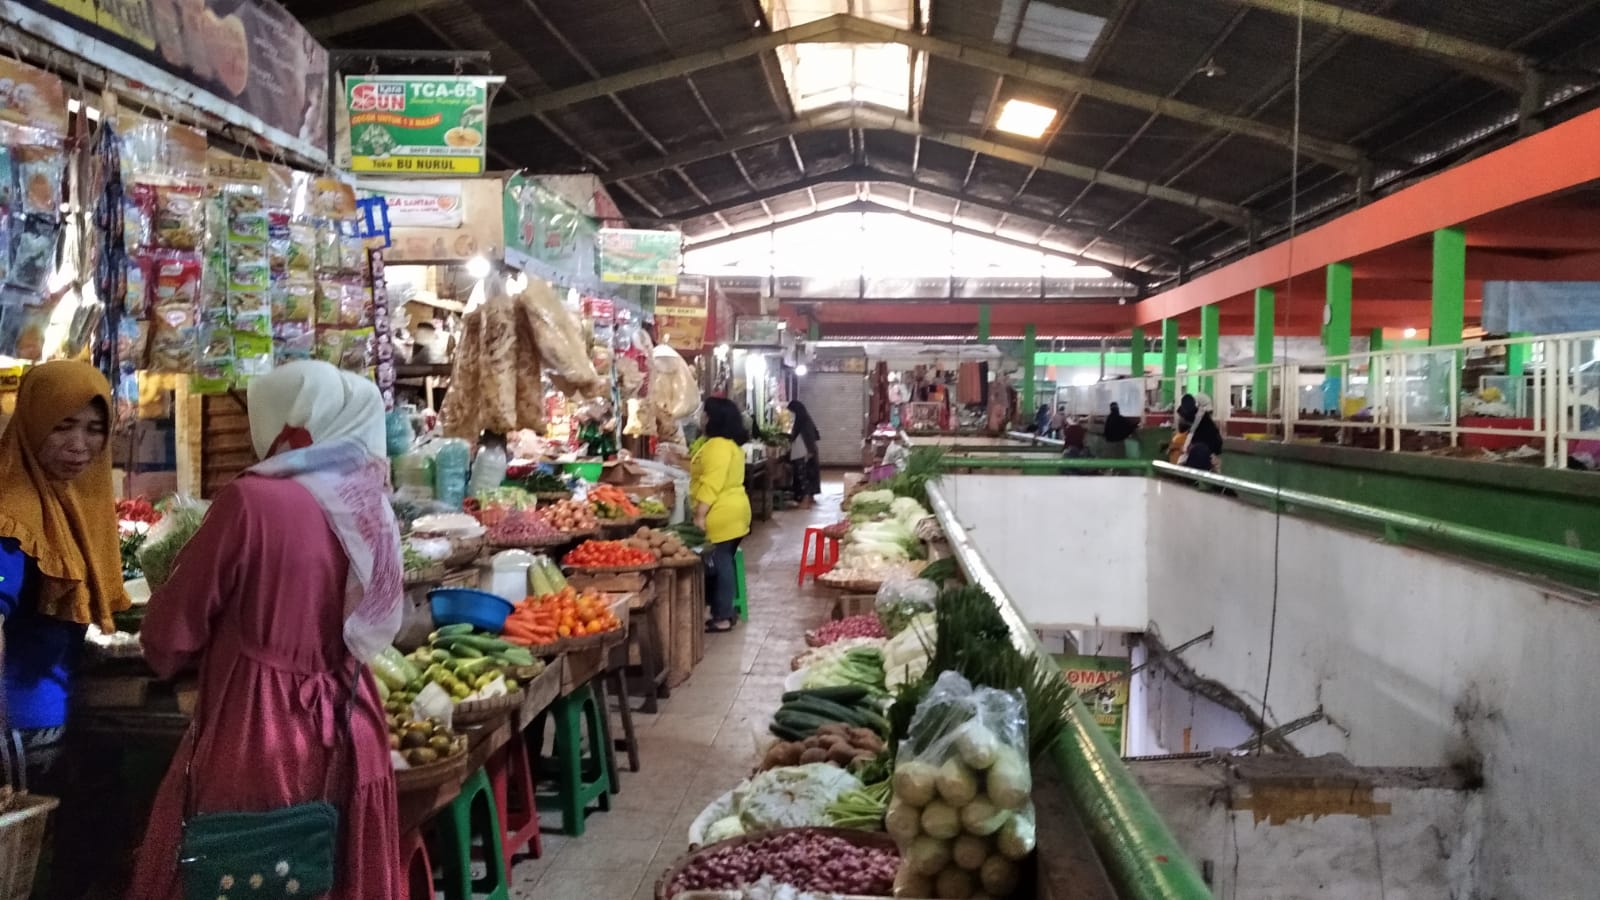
702, 743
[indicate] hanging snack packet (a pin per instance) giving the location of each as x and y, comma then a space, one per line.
302, 247
133, 341
355, 304
174, 338
33, 254
247, 216
177, 280
179, 217
355, 351
40, 173
330, 345
138, 206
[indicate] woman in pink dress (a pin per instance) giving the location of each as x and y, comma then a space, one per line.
292, 582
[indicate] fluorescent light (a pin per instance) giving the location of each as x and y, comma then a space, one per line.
1027, 119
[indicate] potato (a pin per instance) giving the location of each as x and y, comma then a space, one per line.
813, 755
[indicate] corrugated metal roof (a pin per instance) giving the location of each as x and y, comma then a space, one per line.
1407, 111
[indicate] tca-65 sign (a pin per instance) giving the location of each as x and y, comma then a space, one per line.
418, 125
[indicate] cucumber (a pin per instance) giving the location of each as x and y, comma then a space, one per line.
450, 631
783, 732
847, 694
804, 723
826, 709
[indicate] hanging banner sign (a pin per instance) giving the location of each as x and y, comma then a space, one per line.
429, 204
1102, 684
32, 98
547, 235
758, 331
681, 318
255, 65
630, 256
417, 124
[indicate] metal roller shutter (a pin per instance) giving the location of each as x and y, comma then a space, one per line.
838, 404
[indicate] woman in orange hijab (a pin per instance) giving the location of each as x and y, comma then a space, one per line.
60, 563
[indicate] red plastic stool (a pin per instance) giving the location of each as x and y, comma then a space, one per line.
419, 872
819, 554
511, 780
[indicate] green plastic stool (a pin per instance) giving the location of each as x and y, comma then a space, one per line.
741, 598
580, 777
472, 815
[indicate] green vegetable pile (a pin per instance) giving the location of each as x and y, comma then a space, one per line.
858, 666
804, 712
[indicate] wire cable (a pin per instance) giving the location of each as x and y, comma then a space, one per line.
1287, 393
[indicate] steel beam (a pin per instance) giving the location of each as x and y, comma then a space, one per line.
854, 174
865, 119
1502, 67
846, 29
980, 55
367, 15
830, 29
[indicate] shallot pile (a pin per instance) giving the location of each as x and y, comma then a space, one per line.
521, 528
865, 626
808, 860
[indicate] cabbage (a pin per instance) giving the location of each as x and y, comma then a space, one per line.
907, 511
791, 796
722, 829
882, 498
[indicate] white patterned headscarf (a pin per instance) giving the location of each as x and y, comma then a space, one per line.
324, 428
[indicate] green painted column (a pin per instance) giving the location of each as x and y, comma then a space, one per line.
1136, 357
814, 331
1449, 318
1210, 347
1336, 330
1169, 361
1028, 338
983, 322
1191, 364
1517, 356
1266, 323
1376, 342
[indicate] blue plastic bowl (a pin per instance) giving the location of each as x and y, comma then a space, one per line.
480, 609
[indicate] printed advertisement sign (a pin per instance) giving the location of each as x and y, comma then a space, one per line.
631, 256
760, 331
432, 204
681, 318
545, 233
1110, 705
418, 124
253, 56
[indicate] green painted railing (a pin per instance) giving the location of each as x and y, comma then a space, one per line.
1397, 525
1138, 851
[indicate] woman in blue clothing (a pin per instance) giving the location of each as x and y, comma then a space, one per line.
60, 564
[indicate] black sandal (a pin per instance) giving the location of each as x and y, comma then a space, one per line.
719, 626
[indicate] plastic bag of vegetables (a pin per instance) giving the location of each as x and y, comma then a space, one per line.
961, 811
901, 599
179, 521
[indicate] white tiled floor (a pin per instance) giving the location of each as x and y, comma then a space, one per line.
701, 743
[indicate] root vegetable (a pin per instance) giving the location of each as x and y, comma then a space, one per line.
969, 852
1014, 840
983, 818
998, 875
956, 783
1009, 783
927, 856
956, 884
914, 782
939, 820
813, 755
978, 746
903, 821
807, 860
910, 884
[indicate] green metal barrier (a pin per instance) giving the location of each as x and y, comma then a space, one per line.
1138, 851
1396, 525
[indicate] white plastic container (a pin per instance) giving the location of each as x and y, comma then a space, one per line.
506, 575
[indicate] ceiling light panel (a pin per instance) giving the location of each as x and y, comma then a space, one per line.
1029, 120
1050, 30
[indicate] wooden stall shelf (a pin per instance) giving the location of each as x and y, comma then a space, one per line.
538, 694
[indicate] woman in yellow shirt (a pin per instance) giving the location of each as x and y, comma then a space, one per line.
721, 507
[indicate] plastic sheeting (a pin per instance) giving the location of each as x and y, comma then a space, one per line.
1541, 307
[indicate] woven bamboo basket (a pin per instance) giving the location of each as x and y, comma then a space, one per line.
473, 712
431, 775
22, 831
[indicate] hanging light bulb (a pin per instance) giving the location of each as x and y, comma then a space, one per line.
478, 268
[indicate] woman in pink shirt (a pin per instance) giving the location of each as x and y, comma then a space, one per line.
290, 585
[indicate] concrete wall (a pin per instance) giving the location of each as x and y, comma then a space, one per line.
1069, 550
1416, 659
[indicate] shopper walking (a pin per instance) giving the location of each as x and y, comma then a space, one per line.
291, 584
804, 456
721, 507
1204, 446
1118, 429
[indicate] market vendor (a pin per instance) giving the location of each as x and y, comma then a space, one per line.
290, 584
721, 507
60, 562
